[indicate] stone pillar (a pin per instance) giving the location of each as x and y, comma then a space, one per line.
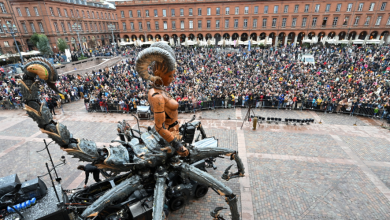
276, 41
295, 40
378, 36
285, 40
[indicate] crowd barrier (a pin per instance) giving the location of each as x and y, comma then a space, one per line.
366, 110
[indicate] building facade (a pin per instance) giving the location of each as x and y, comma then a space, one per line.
56, 19
7, 43
285, 22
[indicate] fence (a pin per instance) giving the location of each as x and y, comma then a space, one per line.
366, 110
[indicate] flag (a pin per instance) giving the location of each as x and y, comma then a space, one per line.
249, 45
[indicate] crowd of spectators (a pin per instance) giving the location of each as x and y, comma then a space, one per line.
352, 79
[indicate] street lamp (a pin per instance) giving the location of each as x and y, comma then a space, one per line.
13, 30
112, 27
77, 28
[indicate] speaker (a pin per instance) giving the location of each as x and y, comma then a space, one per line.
34, 188
8, 184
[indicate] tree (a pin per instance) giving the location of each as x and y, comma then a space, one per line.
34, 38
61, 44
44, 46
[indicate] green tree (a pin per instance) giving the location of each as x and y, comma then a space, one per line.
43, 46
61, 44
34, 38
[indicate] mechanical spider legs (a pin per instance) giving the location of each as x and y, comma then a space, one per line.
118, 192
159, 194
208, 180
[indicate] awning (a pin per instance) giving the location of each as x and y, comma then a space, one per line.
373, 41
358, 41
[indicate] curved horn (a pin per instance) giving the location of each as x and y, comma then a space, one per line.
153, 54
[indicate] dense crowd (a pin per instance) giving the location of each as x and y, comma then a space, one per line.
349, 78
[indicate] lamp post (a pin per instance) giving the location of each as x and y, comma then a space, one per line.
112, 27
13, 30
77, 28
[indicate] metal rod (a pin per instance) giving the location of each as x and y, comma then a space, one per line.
54, 187
51, 160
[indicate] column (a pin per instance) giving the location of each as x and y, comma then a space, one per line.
295, 40
276, 41
285, 40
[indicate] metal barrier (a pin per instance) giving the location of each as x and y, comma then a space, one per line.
366, 110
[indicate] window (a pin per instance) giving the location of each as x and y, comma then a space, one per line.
235, 23
217, 24
349, 8
32, 27
266, 9
346, 20
304, 22
65, 13
314, 22
173, 24
41, 27
173, 12
37, 13
208, 11
19, 12
148, 25
56, 27
264, 22
93, 15
296, 8
378, 20
245, 23
122, 14
181, 12
165, 23
294, 22
190, 12
218, 11
317, 8
6, 44
140, 25
360, 7
335, 19
367, 20
182, 24
236, 10
327, 8
383, 6
255, 23
306, 8
338, 7
87, 14
24, 28
191, 24
1, 29
273, 22
285, 9
200, 11
82, 12
90, 25
51, 11
276, 8
131, 26
372, 6
284, 20
3, 9
139, 13
200, 24
208, 24
164, 13
227, 10
324, 21
226, 23
356, 20
62, 26
388, 21
156, 24
146, 13
124, 25
155, 13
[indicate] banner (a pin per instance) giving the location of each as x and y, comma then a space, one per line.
249, 45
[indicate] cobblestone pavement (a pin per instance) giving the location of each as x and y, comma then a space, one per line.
332, 170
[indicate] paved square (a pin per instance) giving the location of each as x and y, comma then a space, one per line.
367, 148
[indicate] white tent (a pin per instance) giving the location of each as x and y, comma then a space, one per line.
147, 43
306, 40
189, 43
373, 41
126, 43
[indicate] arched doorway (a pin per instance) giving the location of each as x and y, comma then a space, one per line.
200, 36
320, 36
384, 36
244, 37
157, 37
235, 36
331, 34
254, 36
300, 37
134, 38
182, 38
191, 37
311, 35
342, 35
217, 38
281, 39
150, 37
208, 36
166, 37
175, 39
30, 45
352, 35
290, 38
272, 36
373, 35
126, 38
226, 36
142, 38
262, 36
362, 35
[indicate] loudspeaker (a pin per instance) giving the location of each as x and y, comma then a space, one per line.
8, 184
34, 188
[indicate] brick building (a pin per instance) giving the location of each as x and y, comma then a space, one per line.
55, 20
7, 43
284, 21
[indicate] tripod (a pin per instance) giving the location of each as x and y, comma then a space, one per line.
248, 114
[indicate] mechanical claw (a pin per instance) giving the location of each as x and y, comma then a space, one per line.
215, 213
228, 175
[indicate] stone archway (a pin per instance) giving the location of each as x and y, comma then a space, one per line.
235, 36
352, 35
166, 37
374, 35
362, 35
134, 37
226, 36
262, 36
281, 39
342, 35
200, 37
253, 36
208, 36
290, 38
150, 37
300, 37
244, 37
191, 37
